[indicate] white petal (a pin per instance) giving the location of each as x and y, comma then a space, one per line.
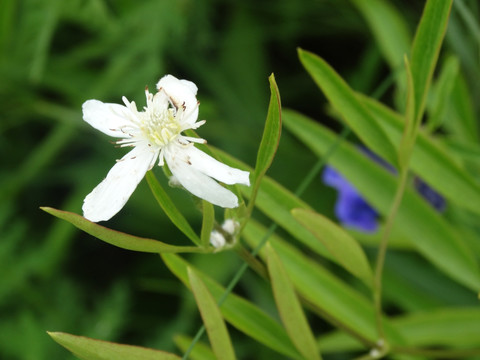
108, 118
191, 85
198, 183
112, 193
181, 93
213, 168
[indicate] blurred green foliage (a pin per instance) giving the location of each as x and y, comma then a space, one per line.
56, 54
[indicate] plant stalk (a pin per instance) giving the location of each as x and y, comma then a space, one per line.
382, 251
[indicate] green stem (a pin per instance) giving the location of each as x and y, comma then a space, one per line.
382, 251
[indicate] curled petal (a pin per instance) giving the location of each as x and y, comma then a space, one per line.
182, 93
112, 193
215, 169
198, 183
111, 119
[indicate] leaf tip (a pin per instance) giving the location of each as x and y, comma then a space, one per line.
53, 334
48, 209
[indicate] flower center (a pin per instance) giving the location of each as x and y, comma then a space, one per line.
160, 127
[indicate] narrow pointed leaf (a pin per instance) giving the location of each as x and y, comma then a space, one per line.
207, 222
289, 307
410, 124
389, 29
170, 209
339, 303
276, 202
345, 102
117, 238
92, 349
239, 312
212, 318
443, 93
338, 242
442, 327
432, 162
271, 136
463, 122
426, 47
433, 237
455, 327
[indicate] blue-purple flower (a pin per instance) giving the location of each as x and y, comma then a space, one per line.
353, 211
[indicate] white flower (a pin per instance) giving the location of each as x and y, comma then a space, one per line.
155, 133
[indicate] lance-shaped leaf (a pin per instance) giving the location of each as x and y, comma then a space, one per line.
337, 302
455, 327
426, 47
346, 103
389, 29
170, 209
117, 238
443, 92
212, 318
289, 307
462, 121
430, 161
270, 139
442, 327
426, 229
339, 243
276, 202
92, 349
411, 124
239, 312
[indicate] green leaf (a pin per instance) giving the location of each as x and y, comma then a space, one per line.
444, 327
338, 303
207, 222
117, 238
170, 209
389, 29
212, 318
270, 139
345, 102
200, 351
462, 121
426, 47
432, 162
433, 237
239, 312
443, 92
277, 202
91, 349
289, 307
338, 242
410, 124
